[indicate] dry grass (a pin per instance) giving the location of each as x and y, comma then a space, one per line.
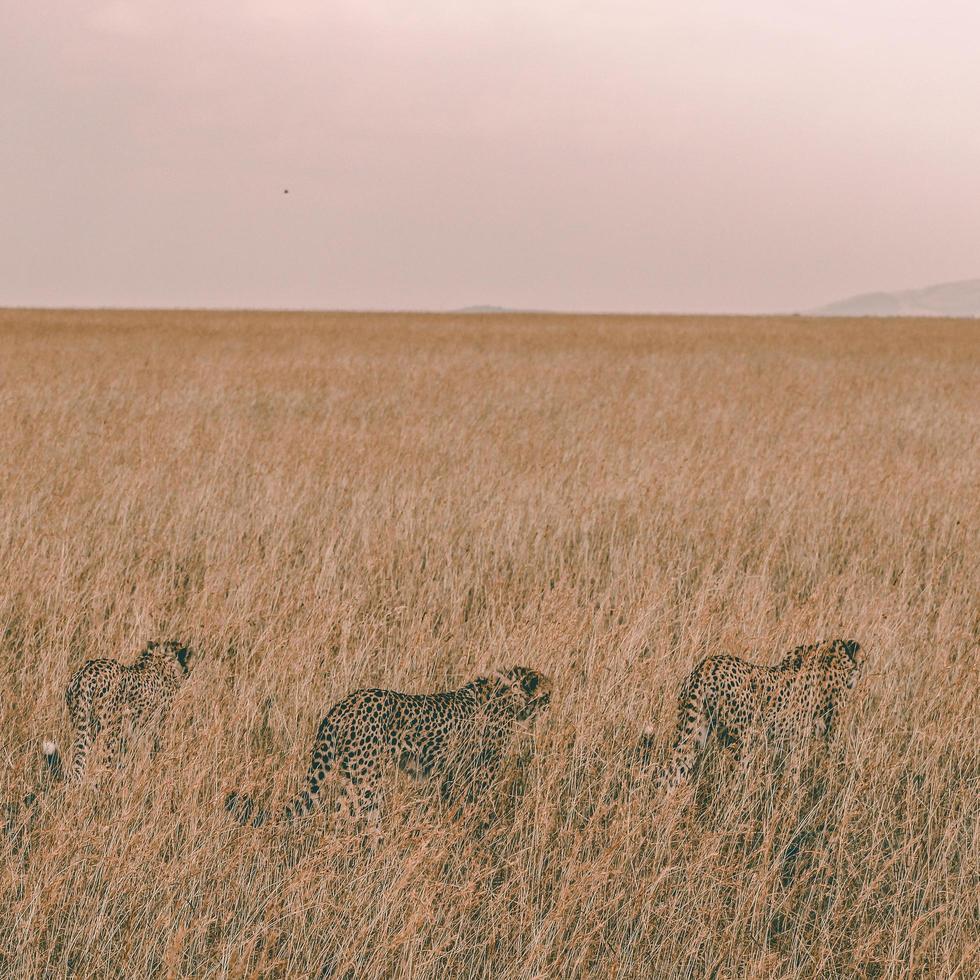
322, 502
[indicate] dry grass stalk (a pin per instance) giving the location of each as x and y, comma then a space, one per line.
322, 502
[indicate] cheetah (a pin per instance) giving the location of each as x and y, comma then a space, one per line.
736, 699
103, 694
458, 736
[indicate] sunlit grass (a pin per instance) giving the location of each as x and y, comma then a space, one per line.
319, 503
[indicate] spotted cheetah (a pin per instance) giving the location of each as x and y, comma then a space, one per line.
736, 699
458, 735
103, 694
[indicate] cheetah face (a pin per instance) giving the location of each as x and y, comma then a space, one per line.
848, 660
531, 690
183, 655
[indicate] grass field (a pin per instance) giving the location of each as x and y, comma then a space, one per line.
324, 502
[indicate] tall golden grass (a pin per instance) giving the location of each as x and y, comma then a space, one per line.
324, 502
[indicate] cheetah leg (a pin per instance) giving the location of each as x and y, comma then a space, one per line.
796, 768
113, 743
153, 725
735, 746
363, 790
363, 802
114, 737
468, 786
475, 783
85, 728
414, 758
81, 744
693, 724
479, 783
823, 723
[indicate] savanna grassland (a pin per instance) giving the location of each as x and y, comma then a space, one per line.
323, 502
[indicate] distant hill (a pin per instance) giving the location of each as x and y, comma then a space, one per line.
484, 309
944, 299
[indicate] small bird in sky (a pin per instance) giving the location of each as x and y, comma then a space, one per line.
286, 191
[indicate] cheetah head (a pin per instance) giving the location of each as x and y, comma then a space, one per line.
182, 654
844, 660
531, 690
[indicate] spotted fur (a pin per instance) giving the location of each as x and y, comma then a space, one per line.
459, 736
734, 699
103, 694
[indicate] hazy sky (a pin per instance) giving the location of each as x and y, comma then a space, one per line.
701, 156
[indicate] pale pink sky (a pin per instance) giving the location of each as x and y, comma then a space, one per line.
691, 156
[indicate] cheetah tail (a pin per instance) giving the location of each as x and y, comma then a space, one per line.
646, 746
241, 807
321, 763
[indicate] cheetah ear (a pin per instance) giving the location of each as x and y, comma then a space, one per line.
829, 653
530, 683
504, 677
851, 648
517, 679
182, 656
